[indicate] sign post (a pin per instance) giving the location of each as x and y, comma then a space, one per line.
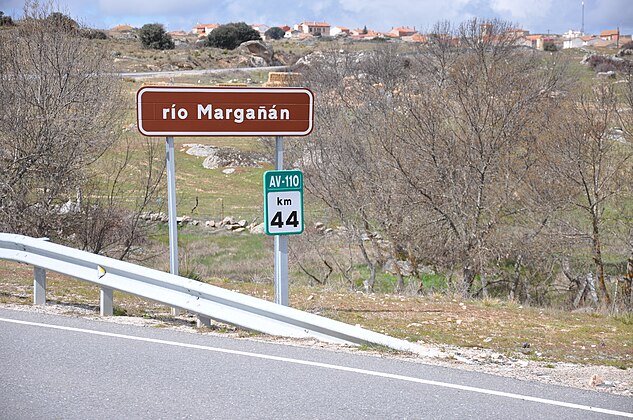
171, 210
283, 216
175, 111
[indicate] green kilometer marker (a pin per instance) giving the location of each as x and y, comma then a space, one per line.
283, 202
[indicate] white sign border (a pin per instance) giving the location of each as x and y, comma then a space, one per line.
142, 90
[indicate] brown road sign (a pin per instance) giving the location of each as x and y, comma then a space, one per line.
224, 111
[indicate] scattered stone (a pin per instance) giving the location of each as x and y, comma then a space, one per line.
319, 226
487, 339
210, 223
242, 223
228, 171
239, 229
258, 229
183, 220
227, 221
606, 75
195, 222
595, 380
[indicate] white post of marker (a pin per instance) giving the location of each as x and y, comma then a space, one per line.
281, 241
171, 206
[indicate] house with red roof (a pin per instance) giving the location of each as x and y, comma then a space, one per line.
400, 32
204, 28
314, 28
610, 35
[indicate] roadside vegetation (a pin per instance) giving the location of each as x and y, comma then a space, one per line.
461, 192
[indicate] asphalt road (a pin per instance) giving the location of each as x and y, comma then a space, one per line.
200, 72
54, 367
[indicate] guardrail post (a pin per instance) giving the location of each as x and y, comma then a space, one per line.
106, 299
39, 286
203, 321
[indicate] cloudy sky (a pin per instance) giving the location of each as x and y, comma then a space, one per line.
538, 16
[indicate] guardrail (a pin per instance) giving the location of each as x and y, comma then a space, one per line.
207, 301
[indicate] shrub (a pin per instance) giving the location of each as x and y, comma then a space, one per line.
549, 46
93, 34
62, 21
153, 36
231, 35
601, 63
275, 33
5, 20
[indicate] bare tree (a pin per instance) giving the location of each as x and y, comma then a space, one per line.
63, 109
60, 106
594, 165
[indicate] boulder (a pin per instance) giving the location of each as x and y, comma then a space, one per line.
227, 221
258, 229
258, 52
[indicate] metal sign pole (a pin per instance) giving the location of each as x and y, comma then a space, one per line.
171, 207
281, 241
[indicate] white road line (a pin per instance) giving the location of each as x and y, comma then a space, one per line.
333, 367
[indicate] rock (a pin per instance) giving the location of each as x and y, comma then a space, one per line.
184, 219
195, 222
319, 226
212, 162
210, 223
404, 267
228, 171
200, 150
606, 75
258, 52
258, 229
595, 380
242, 223
227, 221
238, 230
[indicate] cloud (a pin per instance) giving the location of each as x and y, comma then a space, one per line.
535, 15
521, 9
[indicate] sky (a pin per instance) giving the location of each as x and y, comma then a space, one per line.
537, 16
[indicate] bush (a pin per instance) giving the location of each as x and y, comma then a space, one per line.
5, 20
93, 34
549, 46
275, 33
61, 21
153, 36
601, 63
231, 35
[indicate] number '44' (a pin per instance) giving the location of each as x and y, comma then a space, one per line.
292, 220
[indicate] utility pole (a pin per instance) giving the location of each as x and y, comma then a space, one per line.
582, 24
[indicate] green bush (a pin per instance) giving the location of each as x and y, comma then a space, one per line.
231, 35
153, 36
5, 20
275, 33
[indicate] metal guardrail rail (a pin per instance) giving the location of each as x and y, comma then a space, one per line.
209, 302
